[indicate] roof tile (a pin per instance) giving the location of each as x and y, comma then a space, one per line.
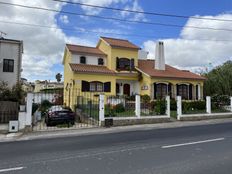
147, 66
120, 43
90, 68
85, 50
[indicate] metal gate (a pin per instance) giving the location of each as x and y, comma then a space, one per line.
51, 112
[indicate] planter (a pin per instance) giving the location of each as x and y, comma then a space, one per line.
22, 108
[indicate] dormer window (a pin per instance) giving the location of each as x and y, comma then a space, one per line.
83, 60
100, 61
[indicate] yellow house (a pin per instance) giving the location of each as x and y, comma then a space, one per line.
119, 67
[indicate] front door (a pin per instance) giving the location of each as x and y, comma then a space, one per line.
126, 89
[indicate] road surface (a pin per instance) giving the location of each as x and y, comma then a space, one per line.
195, 149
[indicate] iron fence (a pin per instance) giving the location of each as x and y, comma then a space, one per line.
8, 111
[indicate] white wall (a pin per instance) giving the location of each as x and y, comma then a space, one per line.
10, 51
91, 60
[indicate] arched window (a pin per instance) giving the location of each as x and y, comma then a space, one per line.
100, 61
161, 90
83, 60
183, 91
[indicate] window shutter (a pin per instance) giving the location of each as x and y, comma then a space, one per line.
197, 92
177, 90
117, 62
190, 92
107, 86
132, 64
155, 96
84, 86
170, 90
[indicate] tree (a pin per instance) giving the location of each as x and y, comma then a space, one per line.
219, 80
58, 77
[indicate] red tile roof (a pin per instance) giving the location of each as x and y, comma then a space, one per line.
90, 68
147, 66
85, 50
120, 43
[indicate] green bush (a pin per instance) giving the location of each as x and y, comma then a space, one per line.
173, 106
119, 108
146, 98
193, 105
45, 105
160, 107
35, 106
219, 100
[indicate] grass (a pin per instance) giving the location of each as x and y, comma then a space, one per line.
194, 112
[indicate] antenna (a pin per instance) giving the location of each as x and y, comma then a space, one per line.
2, 33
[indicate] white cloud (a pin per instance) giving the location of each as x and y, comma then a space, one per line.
134, 16
43, 47
64, 19
188, 52
94, 11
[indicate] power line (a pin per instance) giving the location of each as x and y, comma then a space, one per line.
100, 32
117, 19
144, 12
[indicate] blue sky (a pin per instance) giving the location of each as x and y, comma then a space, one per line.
44, 47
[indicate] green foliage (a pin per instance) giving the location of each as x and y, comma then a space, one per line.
58, 77
15, 93
160, 107
218, 101
173, 105
35, 106
146, 98
45, 105
193, 105
219, 80
119, 108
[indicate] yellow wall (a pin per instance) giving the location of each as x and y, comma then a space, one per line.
112, 53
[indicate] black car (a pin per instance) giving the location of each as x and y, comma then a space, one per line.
58, 115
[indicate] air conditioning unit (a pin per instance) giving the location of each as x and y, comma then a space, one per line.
13, 126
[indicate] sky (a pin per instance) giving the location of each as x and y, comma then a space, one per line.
185, 48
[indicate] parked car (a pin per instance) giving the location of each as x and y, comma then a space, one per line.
59, 114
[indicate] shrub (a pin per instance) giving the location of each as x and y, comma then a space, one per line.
146, 98
220, 100
119, 108
35, 106
173, 106
45, 105
193, 105
160, 107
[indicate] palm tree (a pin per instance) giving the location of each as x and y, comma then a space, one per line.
58, 77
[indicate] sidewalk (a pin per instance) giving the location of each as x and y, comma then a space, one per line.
102, 130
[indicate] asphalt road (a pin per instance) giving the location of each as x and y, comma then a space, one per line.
196, 149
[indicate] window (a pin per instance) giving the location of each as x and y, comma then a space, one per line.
96, 86
8, 65
100, 61
161, 90
83, 60
182, 90
125, 64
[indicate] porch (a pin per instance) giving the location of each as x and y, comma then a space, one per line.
187, 91
127, 87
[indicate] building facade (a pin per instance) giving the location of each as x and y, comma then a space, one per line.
10, 61
45, 85
119, 67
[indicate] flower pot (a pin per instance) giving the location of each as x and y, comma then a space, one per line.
22, 108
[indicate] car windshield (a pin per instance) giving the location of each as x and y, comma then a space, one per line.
56, 108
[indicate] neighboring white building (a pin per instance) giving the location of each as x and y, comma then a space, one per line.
10, 60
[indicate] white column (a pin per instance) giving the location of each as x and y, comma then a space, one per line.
208, 104
121, 88
179, 107
29, 109
168, 106
231, 104
137, 106
199, 91
101, 108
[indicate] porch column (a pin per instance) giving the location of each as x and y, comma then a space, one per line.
174, 91
121, 88
208, 104
199, 91
194, 92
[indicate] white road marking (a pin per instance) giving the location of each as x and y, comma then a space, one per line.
191, 143
11, 169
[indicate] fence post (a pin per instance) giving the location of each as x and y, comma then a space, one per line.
137, 106
29, 109
168, 106
208, 104
101, 109
179, 107
231, 104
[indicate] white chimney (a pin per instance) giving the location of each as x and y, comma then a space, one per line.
159, 56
